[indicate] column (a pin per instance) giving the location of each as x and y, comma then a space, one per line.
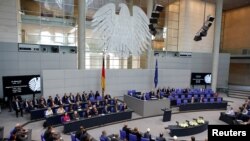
130, 58
150, 52
81, 34
218, 17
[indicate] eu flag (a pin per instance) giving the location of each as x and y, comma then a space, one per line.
156, 73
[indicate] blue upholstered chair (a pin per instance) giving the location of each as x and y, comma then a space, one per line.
122, 135
185, 101
211, 100
144, 139
73, 138
208, 95
219, 99
182, 96
178, 102
189, 96
132, 137
205, 100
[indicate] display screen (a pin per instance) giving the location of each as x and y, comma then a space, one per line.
201, 78
21, 85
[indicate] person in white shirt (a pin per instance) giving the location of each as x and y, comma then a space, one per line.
60, 110
230, 111
49, 112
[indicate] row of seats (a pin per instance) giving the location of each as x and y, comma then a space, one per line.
132, 137
205, 100
175, 96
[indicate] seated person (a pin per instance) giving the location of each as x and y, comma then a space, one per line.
105, 110
81, 134
107, 96
71, 98
147, 134
94, 111
57, 99
161, 138
66, 117
42, 104
124, 107
88, 113
77, 106
97, 94
98, 104
152, 94
104, 136
50, 135
70, 109
48, 112
89, 104
19, 133
65, 99
52, 104
106, 102
76, 116
127, 130
137, 133
60, 110
230, 112
78, 98
49, 100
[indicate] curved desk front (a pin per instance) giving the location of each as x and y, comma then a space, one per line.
176, 130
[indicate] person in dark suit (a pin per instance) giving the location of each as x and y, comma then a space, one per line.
78, 98
65, 99
49, 101
81, 133
57, 99
18, 107
42, 99
88, 113
71, 98
97, 94
75, 116
151, 94
84, 97
137, 133
107, 96
105, 110
127, 130
161, 138
147, 134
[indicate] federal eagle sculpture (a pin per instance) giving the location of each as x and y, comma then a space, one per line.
121, 34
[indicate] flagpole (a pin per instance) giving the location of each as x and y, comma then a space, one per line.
103, 83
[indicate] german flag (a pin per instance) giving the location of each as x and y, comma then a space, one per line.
103, 76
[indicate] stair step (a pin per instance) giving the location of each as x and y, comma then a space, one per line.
238, 91
238, 96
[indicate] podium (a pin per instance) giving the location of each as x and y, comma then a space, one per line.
167, 115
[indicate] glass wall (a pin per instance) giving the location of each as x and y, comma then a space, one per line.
51, 22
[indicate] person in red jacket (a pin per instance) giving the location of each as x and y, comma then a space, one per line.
66, 117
